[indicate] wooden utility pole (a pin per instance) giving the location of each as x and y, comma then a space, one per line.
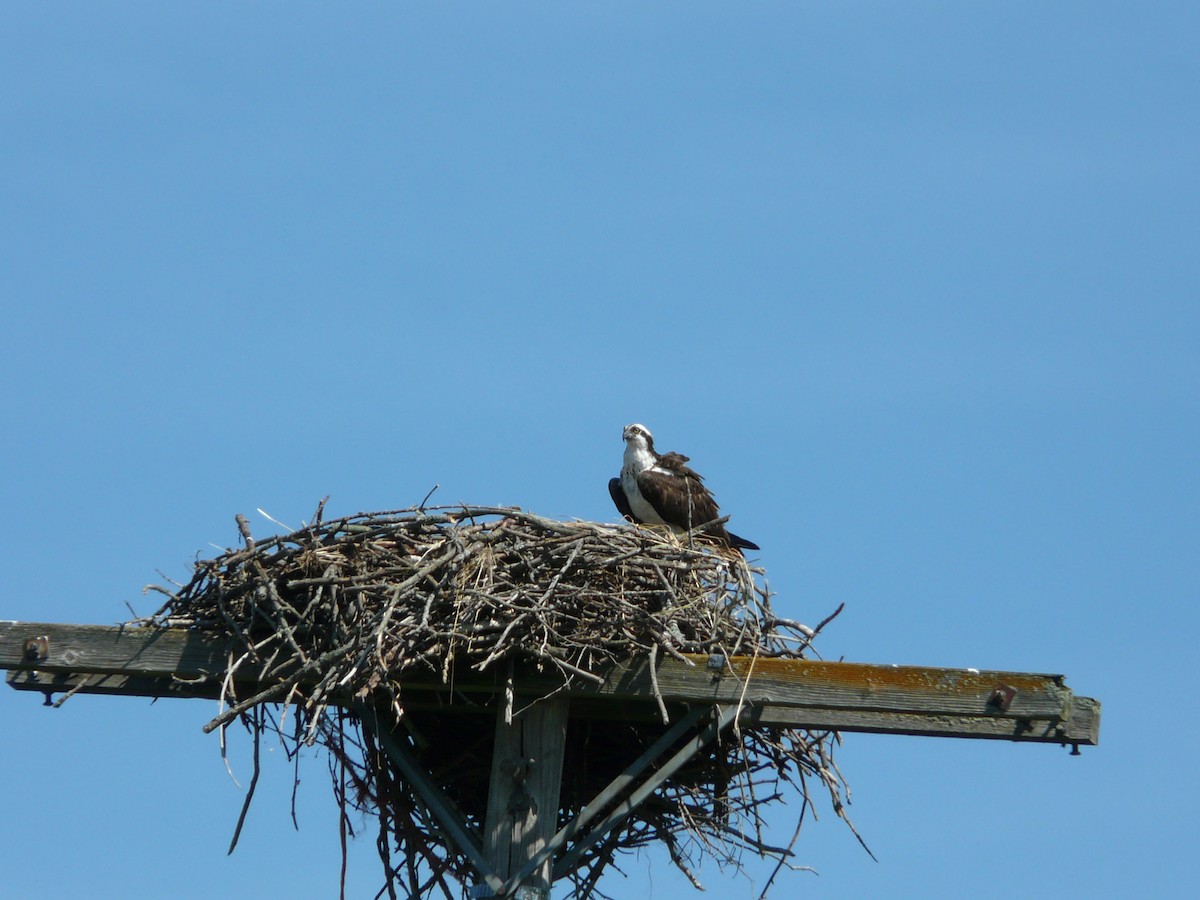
521, 848
522, 808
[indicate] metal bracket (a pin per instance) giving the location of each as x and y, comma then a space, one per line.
520, 800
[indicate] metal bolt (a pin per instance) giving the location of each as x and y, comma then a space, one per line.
1002, 697
37, 649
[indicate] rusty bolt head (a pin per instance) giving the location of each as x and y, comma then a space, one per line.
1002, 697
37, 649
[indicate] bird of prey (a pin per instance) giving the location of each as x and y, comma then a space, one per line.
661, 489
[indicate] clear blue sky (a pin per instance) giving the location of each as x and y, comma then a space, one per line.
915, 285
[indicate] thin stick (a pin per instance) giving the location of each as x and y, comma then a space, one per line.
257, 732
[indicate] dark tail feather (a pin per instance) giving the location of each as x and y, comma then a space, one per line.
741, 543
716, 528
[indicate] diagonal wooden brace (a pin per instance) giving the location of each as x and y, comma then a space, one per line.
698, 742
461, 833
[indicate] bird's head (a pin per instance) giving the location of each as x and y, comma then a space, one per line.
636, 435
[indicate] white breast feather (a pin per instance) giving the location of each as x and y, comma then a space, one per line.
639, 459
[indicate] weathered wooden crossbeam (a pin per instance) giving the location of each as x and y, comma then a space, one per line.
771, 692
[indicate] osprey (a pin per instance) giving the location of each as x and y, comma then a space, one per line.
660, 489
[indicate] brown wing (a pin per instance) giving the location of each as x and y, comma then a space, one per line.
680, 497
673, 460
683, 500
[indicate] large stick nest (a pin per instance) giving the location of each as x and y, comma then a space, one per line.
352, 608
